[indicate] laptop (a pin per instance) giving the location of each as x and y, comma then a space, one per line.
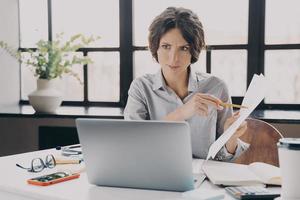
137, 154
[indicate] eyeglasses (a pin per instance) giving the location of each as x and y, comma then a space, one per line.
37, 164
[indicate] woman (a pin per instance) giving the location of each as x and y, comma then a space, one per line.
176, 93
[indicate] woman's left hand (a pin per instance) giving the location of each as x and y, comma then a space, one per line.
232, 142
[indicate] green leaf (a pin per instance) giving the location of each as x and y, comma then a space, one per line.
50, 59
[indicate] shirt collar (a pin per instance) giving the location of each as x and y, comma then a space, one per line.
159, 81
193, 81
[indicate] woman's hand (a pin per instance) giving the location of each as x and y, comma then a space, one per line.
232, 142
198, 104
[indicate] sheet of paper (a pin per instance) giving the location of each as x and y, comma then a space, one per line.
254, 95
197, 165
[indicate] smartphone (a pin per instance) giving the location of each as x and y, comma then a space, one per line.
52, 178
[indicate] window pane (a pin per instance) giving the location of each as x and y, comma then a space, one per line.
283, 73
282, 21
144, 64
89, 17
28, 81
71, 89
225, 22
33, 22
104, 77
231, 66
70, 86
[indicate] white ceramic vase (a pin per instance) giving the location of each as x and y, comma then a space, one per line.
46, 98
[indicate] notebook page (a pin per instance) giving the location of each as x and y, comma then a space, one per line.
223, 173
269, 174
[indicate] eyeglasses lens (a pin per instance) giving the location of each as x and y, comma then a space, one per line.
37, 165
50, 161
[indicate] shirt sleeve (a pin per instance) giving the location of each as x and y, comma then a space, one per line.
136, 107
223, 154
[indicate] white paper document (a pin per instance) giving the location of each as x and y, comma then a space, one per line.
254, 95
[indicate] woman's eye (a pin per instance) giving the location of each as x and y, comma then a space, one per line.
165, 46
186, 48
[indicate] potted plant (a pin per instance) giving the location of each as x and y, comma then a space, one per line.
50, 61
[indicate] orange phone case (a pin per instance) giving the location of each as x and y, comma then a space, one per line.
40, 183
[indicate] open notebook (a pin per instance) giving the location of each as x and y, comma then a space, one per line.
232, 174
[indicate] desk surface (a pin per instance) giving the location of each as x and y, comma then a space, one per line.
13, 185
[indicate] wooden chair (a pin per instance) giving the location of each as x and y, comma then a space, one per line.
262, 138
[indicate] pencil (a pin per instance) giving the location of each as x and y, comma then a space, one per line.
232, 105
67, 161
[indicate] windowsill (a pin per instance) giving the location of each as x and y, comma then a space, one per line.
278, 116
63, 112
271, 116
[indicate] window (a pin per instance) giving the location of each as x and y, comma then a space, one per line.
231, 66
102, 78
282, 68
33, 25
244, 37
282, 22
282, 51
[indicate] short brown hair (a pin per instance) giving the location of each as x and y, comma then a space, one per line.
186, 21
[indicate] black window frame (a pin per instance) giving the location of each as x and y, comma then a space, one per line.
255, 53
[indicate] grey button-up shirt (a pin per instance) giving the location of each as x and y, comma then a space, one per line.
149, 98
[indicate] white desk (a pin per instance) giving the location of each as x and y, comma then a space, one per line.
13, 185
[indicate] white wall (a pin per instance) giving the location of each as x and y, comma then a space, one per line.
9, 67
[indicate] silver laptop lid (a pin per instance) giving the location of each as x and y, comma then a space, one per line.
137, 154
